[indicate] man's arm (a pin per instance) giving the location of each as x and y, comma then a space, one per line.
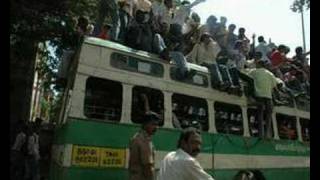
196, 2
195, 171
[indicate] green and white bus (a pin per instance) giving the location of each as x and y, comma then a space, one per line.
101, 109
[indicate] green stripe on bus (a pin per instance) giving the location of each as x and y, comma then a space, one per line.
117, 135
77, 173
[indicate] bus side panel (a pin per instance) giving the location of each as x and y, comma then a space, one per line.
77, 173
269, 174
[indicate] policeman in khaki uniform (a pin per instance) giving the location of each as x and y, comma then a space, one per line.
141, 162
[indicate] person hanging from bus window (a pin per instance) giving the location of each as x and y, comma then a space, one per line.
286, 130
182, 164
204, 53
264, 83
142, 151
175, 121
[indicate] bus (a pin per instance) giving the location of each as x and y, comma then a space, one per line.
102, 106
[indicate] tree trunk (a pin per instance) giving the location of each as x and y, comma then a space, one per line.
22, 68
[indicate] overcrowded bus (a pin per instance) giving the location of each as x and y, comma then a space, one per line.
101, 111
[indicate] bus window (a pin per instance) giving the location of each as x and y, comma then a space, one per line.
198, 79
146, 99
286, 126
228, 118
103, 99
134, 64
189, 111
305, 129
253, 122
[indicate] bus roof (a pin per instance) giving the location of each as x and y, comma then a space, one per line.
117, 46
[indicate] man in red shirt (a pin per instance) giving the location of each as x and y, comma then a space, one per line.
278, 58
104, 34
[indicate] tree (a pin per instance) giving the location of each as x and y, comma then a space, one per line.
298, 5
33, 22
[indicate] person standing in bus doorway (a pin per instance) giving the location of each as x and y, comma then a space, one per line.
142, 151
181, 164
264, 83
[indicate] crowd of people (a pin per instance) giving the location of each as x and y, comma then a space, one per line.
174, 32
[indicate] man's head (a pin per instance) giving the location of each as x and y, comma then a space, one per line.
190, 141
299, 50
83, 23
257, 56
231, 27
261, 39
242, 31
282, 48
260, 64
205, 38
287, 50
223, 20
150, 122
185, 2
196, 18
168, 3
164, 28
212, 20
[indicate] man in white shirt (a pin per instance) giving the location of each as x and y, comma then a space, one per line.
264, 49
181, 164
182, 12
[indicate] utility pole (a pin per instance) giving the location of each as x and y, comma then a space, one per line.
303, 33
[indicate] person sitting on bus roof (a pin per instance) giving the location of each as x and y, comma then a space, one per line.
264, 83
108, 8
183, 11
263, 48
174, 48
191, 33
222, 32
210, 27
231, 38
104, 33
278, 59
245, 41
139, 35
158, 44
125, 17
204, 53
142, 151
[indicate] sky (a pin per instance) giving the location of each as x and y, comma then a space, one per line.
269, 18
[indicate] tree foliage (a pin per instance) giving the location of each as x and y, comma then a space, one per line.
48, 23
299, 5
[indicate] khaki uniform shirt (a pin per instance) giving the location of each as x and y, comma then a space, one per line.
141, 156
